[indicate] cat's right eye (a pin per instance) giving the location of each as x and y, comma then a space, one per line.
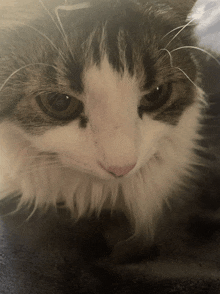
60, 106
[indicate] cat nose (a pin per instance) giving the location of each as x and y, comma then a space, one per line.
118, 171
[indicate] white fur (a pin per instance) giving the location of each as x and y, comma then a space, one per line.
114, 136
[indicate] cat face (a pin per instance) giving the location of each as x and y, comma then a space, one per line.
97, 97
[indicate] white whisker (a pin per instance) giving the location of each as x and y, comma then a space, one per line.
69, 8
177, 28
186, 76
197, 48
63, 31
180, 32
171, 58
23, 67
51, 16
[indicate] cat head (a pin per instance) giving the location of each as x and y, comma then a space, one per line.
100, 84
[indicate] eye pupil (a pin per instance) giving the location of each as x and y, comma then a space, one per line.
59, 102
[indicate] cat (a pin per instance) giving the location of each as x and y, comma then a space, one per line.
101, 107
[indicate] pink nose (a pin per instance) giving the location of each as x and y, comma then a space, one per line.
119, 171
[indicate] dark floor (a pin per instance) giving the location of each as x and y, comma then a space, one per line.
45, 256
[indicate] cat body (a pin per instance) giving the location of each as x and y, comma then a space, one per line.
100, 106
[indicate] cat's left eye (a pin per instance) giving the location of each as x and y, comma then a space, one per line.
60, 106
156, 98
